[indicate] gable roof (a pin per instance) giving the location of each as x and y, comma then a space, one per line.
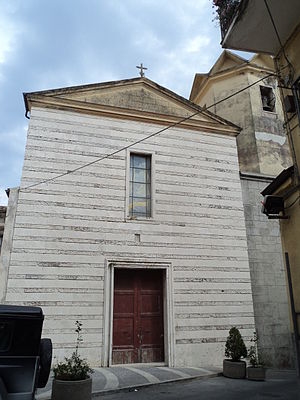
226, 60
137, 98
229, 62
263, 60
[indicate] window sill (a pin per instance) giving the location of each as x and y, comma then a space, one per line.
139, 218
269, 112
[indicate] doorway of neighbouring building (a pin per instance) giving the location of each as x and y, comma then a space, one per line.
138, 324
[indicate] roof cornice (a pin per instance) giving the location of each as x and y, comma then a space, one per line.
43, 101
227, 74
58, 98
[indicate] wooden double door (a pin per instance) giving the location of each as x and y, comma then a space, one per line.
138, 329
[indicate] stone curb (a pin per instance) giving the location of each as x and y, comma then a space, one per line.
143, 385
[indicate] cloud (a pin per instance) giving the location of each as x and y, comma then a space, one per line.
9, 32
3, 197
197, 43
150, 40
53, 44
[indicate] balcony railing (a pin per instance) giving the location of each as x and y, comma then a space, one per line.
225, 10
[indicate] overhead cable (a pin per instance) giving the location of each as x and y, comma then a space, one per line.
202, 111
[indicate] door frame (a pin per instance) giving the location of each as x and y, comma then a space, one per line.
168, 307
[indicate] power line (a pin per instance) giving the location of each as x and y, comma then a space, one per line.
151, 135
279, 39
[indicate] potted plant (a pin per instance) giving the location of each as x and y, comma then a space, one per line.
71, 377
235, 349
256, 372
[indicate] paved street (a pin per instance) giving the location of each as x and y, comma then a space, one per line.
129, 376
279, 385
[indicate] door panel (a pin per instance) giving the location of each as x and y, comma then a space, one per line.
138, 316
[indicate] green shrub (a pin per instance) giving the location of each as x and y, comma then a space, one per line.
254, 358
74, 368
235, 347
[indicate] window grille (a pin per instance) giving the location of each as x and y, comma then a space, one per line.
140, 186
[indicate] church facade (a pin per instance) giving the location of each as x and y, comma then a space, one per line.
142, 240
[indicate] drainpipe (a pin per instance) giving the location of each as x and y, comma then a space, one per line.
287, 124
296, 94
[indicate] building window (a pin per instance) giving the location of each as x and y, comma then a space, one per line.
296, 94
140, 186
268, 98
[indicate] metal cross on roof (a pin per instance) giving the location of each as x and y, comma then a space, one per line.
141, 70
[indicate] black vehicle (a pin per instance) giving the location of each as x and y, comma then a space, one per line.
25, 358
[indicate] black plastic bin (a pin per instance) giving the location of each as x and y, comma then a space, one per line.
25, 358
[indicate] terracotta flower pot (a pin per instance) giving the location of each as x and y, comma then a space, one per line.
75, 390
234, 369
256, 373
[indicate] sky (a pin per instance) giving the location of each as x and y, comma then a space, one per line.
59, 43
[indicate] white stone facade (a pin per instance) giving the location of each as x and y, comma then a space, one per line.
71, 232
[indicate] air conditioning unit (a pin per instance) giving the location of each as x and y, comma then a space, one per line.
289, 104
273, 206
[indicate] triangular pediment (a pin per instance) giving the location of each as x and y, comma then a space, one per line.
135, 96
227, 64
131, 98
140, 94
263, 60
226, 61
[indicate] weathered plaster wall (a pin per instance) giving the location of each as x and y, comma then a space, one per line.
239, 111
133, 97
291, 74
270, 300
290, 228
262, 144
271, 140
67, 229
